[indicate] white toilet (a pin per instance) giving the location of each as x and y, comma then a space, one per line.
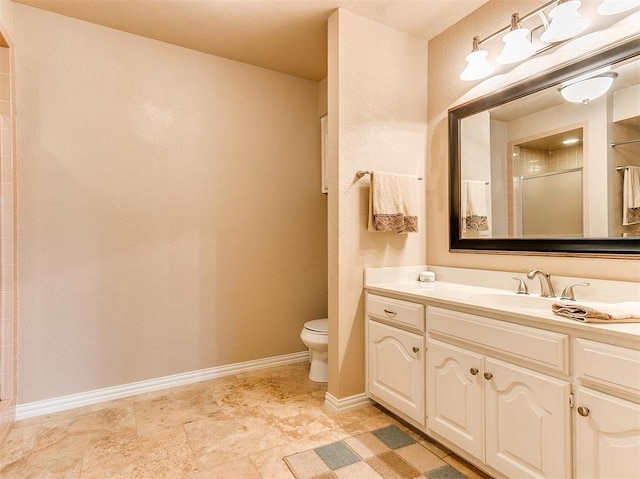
315, 336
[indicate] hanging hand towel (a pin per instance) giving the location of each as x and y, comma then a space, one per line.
631, 196
627, 312
393, 203
473, 204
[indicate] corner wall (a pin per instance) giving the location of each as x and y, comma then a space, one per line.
170, 215
377, 121
8, 322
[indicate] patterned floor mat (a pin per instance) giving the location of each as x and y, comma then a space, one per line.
386, 453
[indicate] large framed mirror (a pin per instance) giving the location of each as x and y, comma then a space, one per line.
531, 171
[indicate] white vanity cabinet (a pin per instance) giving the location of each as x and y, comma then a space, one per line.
512, 418
517, 395
606, 422
395, 356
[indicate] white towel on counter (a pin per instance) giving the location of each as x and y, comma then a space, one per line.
631, 196
473, 205
626, 312
393, 203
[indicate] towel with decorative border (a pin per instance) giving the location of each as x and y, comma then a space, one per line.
626, 312
631, 196
393, 203
473, 205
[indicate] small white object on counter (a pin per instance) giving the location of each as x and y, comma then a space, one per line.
427, 276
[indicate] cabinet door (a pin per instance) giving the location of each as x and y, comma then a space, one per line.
454, 396
607, 443
528, 422
396, 369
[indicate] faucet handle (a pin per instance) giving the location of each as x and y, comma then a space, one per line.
567, 293
522, 286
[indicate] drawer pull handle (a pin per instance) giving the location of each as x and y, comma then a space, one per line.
473, 371
390, 313
488, 376
583, 411
416, 349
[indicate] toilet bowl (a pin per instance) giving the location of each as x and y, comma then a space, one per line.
315, 336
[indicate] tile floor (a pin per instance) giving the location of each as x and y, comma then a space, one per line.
234, 427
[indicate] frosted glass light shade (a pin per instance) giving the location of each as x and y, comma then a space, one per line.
517, 47
589, 89
611, 7
566, 22
477, 66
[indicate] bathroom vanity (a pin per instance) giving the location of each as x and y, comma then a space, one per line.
506, 384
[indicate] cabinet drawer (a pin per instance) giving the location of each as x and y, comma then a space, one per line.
396, 311
538, 346
610, 366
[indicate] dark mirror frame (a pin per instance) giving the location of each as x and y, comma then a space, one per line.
590, 246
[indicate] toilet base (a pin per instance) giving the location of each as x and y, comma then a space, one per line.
318, 370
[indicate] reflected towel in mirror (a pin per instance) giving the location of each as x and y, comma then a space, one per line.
626, 312
393, 203
631, 196
473, 204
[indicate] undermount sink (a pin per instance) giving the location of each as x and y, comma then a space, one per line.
514, 300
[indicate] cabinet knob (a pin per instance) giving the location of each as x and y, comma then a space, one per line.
488, 376
583, 411
390, 313
416, 349
473, 371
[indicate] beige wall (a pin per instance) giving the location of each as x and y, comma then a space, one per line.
377, 99
169, 209
8, 323
446, 60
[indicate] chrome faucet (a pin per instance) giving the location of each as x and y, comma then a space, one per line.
546, 288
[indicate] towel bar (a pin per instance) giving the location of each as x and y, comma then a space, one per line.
361, 173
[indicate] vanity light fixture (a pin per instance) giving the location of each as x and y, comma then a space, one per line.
560, 20
587, 89
566, 22
517, 46
611, 7
477, 65
570, 141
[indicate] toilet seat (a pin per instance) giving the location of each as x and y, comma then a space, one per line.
317, 326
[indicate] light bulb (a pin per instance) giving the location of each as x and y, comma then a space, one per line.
586, 90
517, 47
477, 65
566, 22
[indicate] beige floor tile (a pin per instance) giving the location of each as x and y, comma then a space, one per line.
66, 434
18, 444
300, 416
164, 455
239, 469
35, 466
235, 426
173, 409
225, 437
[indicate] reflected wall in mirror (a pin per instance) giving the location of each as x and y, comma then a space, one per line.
531, 171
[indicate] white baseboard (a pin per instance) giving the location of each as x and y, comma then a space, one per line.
346, 404
48, 406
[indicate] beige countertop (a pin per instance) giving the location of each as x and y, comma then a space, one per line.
481, 300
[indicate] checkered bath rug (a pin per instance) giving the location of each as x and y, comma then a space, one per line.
386, 453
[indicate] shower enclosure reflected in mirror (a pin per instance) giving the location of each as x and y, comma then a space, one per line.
531, 171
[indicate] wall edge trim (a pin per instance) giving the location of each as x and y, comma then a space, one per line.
346, 404
63, 403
